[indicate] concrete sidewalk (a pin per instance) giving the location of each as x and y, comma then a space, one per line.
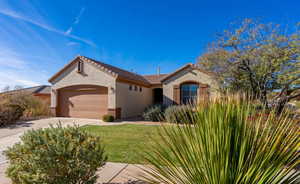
111, 173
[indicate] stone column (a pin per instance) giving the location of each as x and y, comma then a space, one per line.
53, 105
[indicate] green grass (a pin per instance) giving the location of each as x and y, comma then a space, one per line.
125, 143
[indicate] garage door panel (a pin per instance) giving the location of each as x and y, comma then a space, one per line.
84, 114
88, 101
83, 102
88, 108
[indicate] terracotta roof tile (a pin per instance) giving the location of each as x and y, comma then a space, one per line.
155, 79
120, 72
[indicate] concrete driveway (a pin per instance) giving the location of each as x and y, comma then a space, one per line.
11, 135
114, 173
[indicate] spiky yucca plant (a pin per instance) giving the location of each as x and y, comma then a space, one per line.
227, 142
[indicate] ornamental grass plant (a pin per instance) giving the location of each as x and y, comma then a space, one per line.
227, 141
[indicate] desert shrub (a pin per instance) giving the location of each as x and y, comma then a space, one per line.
179, 114
223, 145
55, 155
108, 118
15, 106
9, 114
35, 107
154, 113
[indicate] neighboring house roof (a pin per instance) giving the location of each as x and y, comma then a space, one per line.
155, 79
125, 75
44, 89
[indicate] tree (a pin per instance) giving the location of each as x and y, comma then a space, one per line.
18, 87
6, 88
258, 59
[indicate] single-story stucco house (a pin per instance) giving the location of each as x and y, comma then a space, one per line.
87, 88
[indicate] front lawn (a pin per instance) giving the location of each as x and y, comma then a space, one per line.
124, 143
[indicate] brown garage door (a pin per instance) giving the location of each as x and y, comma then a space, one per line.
82, 102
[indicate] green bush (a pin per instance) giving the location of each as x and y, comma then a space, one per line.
179, 114
108, 118
154, 113
55, 155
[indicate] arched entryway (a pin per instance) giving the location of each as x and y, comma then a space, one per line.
82, 101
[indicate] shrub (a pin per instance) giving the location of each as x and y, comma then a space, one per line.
179, 114
224, 146
108, 118
18, 105
154, 113
35, 107
55, 155
9, 114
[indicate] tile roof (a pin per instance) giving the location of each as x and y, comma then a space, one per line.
43, 90
155, 79
120, 72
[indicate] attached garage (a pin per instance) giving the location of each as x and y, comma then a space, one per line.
83, 101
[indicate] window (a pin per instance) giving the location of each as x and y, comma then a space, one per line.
188, 93
135, 88
80, 67
130, 87
141, 89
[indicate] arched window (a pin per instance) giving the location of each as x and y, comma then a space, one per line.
189, 93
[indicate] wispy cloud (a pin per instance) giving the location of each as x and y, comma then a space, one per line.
15, 15
72, 43
10, 59
69, 31
27, 82
16, 70
79, 15
76, 21
12, 79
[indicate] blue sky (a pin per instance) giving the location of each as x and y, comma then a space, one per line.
38, 37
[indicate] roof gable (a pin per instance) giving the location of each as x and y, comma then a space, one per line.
117, 73
189, 65
81, 58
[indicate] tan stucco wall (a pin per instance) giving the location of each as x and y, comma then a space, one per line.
131, 102
188, 75
91, 76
